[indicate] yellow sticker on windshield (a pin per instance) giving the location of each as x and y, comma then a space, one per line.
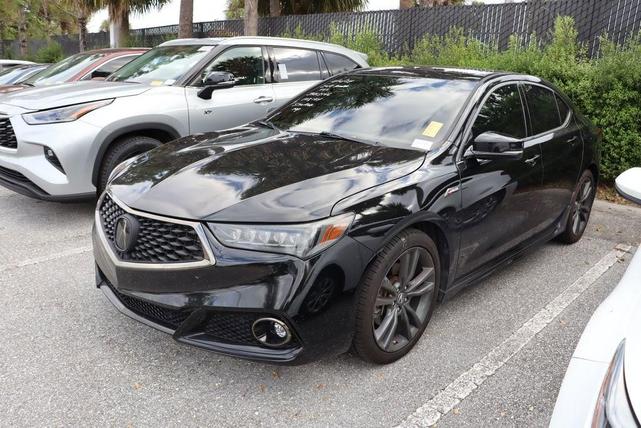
432, 129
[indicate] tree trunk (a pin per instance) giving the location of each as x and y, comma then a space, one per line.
82, 31
22, 32
274, 7
406, 4
124, 29
45, 15
186, 20
251, 17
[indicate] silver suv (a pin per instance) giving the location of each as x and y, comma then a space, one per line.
62, 142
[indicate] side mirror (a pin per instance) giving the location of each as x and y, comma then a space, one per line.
216, 80
490, 145
628, 184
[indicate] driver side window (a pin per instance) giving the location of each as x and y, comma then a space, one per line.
502, 113
245, 63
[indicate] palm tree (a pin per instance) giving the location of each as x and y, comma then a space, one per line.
251, 17
119, 11
186, 19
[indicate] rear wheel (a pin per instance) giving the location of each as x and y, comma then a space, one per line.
582, 201
121, 151
397, 297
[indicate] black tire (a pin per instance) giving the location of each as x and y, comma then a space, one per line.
582, 200
119, 152
370, 310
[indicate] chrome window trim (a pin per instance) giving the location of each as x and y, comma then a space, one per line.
208, 260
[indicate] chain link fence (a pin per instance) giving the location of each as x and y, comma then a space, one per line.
400, 29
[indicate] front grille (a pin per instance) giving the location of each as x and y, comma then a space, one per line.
157, 241
13, 175
7, 136
171, 318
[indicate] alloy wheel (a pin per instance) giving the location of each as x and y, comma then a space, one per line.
582, 207
404, 299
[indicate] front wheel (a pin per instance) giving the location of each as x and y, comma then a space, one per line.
582, 201
397, 297
121, 151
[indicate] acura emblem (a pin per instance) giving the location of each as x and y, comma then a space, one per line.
126, 232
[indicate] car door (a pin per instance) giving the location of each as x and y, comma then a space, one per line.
295, 70
500, 197
248, 100
554, 125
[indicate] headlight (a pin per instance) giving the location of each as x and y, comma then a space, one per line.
301, 240
63, 114
613, 407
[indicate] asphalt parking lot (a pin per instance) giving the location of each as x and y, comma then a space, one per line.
69, 358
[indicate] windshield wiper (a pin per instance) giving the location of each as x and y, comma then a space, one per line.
347, 138
268, 124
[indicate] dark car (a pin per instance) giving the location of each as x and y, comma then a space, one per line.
342, 218
88, 65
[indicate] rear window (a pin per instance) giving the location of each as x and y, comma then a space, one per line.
564, 109
544, 113
296, 65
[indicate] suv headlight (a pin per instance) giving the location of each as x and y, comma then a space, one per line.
300, 240
613, 407
63, 114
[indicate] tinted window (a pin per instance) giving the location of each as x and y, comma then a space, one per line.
502, 113
391, 110
338, 63
115, 64
544, 114
162, 65
564, 110
296, 65
245, 63
65, 69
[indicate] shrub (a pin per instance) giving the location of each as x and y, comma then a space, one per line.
51, 53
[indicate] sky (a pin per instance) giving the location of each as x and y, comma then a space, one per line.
206, 10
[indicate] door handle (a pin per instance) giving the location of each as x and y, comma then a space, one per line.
573, 140
533, 160
263, 99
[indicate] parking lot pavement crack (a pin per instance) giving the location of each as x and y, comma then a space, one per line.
446, 399
36, 260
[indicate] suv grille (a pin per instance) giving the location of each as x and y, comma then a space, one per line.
171, 318
7, 136
157, 241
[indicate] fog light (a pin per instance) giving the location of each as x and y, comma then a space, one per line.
53, 159
271, 332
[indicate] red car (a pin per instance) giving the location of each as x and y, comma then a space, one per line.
94, 64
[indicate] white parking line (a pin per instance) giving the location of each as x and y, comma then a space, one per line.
445, 400
36, 260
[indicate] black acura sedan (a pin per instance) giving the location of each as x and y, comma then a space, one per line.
344, 217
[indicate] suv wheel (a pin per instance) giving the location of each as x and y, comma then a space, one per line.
397, 297
121, 151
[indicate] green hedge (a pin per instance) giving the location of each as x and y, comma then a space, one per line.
606, 89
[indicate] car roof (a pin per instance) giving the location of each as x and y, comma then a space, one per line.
273, 41
446, 73
14, 61
117, 51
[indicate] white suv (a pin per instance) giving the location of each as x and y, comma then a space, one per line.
62, 142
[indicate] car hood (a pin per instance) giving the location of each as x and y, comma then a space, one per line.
46, 97
257, 175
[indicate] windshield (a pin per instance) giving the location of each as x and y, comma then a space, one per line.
64, 70
392, 110
14, 74
161, 66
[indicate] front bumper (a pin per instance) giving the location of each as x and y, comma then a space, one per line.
26, 170
213, 306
